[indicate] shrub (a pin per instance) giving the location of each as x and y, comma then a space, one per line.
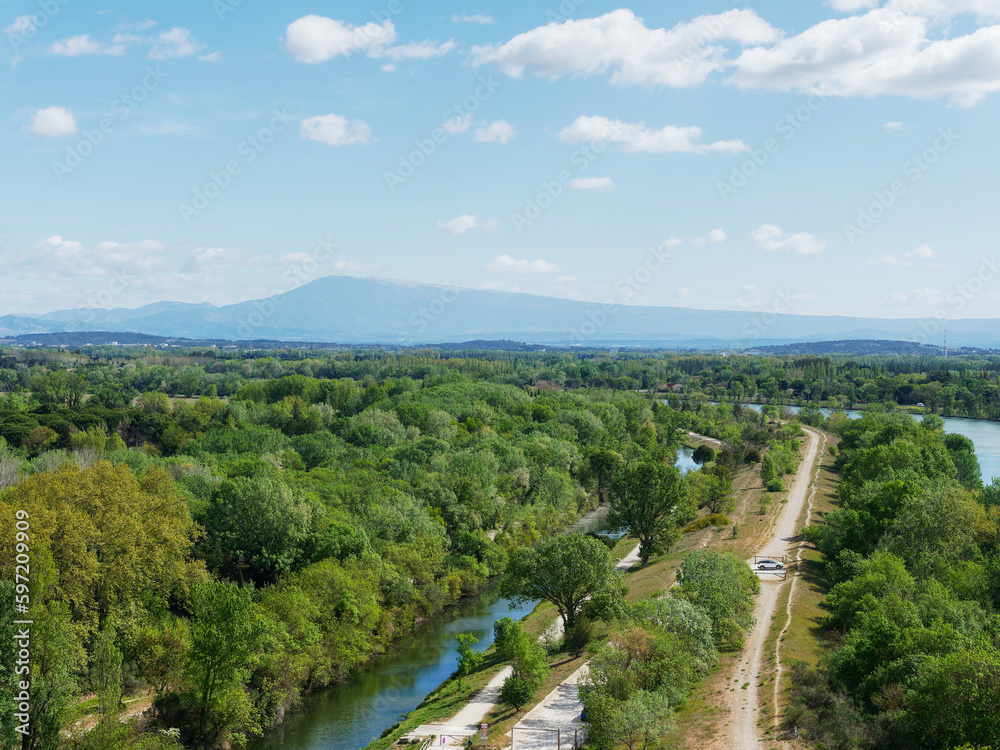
716, 519
775, 485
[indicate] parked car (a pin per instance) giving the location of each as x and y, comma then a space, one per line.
769, 564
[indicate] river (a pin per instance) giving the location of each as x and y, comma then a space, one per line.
352, 715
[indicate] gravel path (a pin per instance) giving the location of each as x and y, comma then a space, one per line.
745, 703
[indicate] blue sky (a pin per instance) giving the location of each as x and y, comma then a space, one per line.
826, 158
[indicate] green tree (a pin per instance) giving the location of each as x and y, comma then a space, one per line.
603, 465
106, 670
226, 635
257, 524
702, 455
648, 499
724, 586
468, 658
572, 571
516, 692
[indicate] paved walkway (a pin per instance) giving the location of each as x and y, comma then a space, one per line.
560, 709
466, 722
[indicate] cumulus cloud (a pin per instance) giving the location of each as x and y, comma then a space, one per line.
714, 237
315, 39
507, 264
479, 18
85, 44
621, 43
636, 137
772, 239
592, 183
903, 48
458, 125
57, 256
177, 42
336, 130
883, 52
891, 127
53, 122
499, 131
850, 6
906, 259
460, 224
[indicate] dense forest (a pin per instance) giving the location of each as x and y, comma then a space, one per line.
912, 613
231, 531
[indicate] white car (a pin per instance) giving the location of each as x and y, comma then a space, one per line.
768, 564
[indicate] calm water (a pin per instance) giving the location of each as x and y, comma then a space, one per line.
985, 435
351, 716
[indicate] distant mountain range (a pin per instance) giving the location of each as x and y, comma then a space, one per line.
352, 310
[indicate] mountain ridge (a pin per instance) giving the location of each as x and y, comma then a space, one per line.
351, 309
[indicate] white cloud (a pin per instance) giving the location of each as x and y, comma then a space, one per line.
684, 55
479, 18
849, 6
891, 127
336, 130
636, 137
714, 237
458, 125
592, 183
507, 264
389, 68
772, 239
905, 48
465, 222
683, 292
53, 122
460, 224
23, 26
62, 257
212, 57
314, 39
500, 131
177, 42
906, 259
885, 52
420, 50
85, 44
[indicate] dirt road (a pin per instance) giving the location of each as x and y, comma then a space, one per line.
744, 707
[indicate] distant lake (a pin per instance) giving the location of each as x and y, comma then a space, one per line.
985, 435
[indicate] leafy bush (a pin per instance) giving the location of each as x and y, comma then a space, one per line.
775, 485
716, 519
